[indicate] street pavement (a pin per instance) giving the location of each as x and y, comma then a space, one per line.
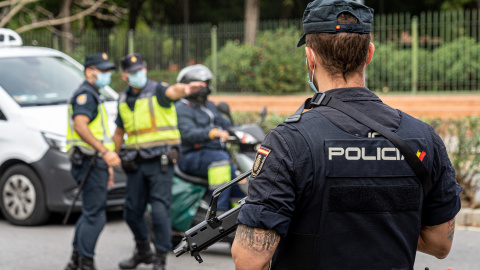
48, 247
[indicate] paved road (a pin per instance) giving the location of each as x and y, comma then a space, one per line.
48, 247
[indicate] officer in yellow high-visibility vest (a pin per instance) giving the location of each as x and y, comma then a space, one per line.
89, 140
147, 115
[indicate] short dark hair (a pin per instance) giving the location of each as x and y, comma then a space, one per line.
341, 53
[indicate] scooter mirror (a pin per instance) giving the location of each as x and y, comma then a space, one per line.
225, 109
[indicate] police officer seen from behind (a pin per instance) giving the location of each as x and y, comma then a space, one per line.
147, 115
89, 142
327, 192
204, 132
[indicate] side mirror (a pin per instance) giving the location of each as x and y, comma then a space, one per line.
225, 109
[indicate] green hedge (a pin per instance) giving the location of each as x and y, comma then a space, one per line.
273, 66
451, 66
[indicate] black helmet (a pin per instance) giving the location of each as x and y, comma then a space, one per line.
194, 73
199, 73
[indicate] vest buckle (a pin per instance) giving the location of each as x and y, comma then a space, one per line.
317, 99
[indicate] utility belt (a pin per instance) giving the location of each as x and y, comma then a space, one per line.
77, 158
132, 159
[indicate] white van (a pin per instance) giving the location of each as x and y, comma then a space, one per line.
35, 179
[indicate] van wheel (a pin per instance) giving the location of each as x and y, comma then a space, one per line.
22, 198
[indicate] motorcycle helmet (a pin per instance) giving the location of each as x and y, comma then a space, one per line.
197, 73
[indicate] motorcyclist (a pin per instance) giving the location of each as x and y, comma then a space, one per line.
204, 131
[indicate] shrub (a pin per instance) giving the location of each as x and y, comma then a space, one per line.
462, 140
273, 66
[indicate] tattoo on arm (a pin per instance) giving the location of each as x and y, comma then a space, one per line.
451, 229
257, 240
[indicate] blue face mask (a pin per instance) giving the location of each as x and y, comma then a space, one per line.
138, 79
311, 84
309, 80
103, 79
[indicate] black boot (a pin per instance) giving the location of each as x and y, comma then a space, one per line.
142, 254
85, 263
73, 263
160, 260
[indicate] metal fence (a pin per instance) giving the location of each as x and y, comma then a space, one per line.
436, 51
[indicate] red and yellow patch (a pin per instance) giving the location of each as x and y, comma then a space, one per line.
338, 27
260, 158
421, 155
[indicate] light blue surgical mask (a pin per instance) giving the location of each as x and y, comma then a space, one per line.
311, 84
103, 79
138, 79
313, 73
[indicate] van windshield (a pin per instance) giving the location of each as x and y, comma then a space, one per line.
39, 80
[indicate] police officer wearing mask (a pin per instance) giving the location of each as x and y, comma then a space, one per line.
328, 192
89, 142
204, 132
147, 115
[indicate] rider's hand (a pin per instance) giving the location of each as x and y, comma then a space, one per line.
111, 158
223, 135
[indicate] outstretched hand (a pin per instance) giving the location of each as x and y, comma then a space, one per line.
194, 87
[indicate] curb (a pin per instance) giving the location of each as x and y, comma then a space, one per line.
468, 217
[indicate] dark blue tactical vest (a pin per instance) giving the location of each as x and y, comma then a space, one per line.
363, 209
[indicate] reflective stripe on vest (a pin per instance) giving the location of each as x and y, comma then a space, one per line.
98, 127
149, 124
219, 173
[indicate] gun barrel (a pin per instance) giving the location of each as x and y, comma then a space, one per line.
181, 249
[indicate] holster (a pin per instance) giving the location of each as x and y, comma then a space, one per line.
77, 157
173, 155
129, 162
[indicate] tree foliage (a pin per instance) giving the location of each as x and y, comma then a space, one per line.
25, 15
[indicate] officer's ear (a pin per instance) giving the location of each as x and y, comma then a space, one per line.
371, 50
312, 59
89, 73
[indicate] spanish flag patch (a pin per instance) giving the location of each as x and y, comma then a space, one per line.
260, 158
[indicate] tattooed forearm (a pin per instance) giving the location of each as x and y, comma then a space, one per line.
257, 239
451, 229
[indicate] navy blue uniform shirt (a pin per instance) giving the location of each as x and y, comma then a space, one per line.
272, 193
85, 102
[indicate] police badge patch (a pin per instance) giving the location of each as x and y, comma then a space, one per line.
260, 158
82, 99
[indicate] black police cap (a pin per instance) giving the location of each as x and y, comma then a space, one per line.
132, 62
99, 60
320, 16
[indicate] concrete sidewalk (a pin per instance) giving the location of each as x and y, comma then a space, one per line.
468, 217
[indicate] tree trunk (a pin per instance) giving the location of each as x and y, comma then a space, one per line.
66, 28
134, 6
252, 15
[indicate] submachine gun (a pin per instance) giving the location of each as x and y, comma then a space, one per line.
214, 228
